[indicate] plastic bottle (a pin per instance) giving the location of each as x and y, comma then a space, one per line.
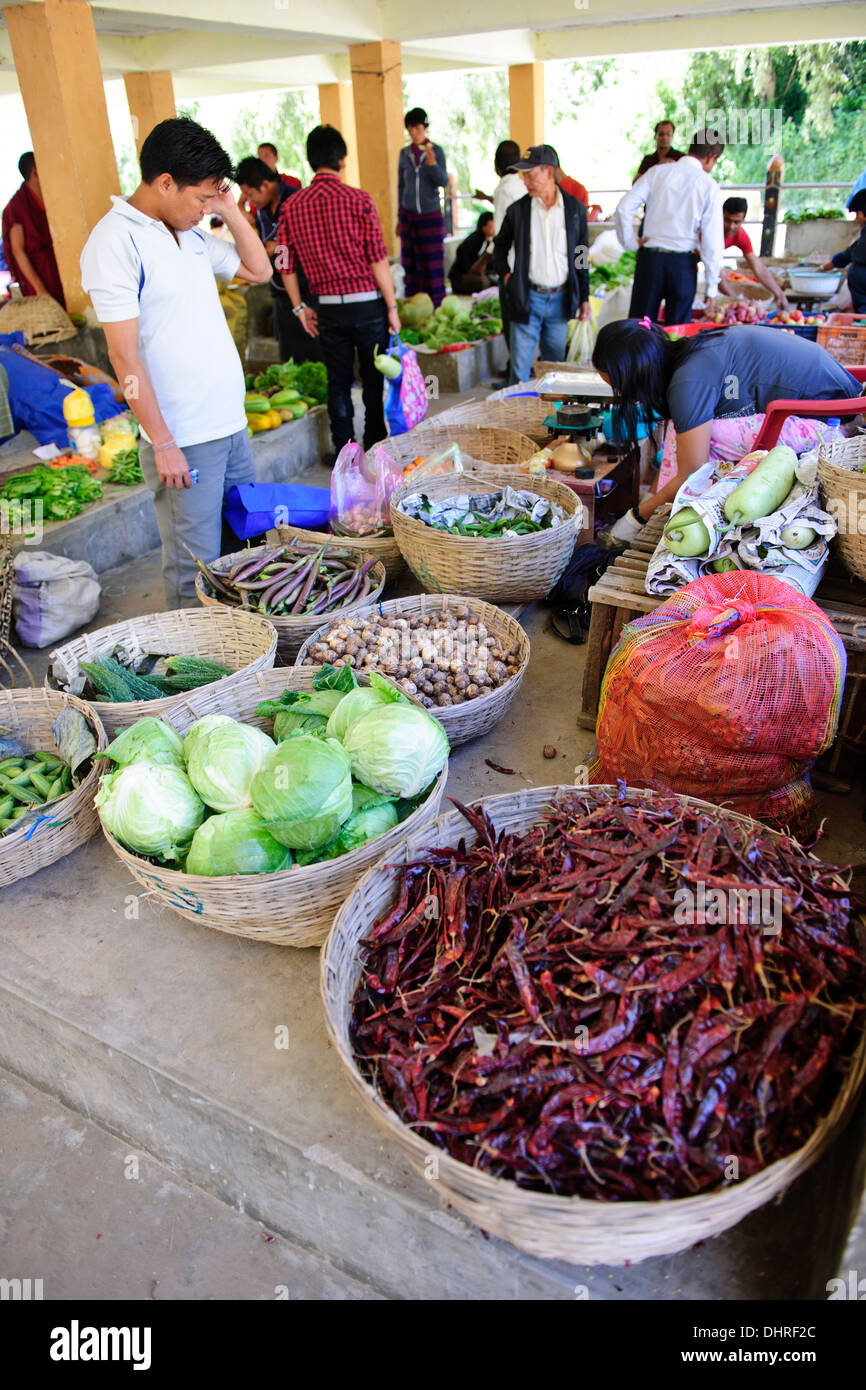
80, 423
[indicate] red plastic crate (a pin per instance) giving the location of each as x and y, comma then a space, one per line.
844, 337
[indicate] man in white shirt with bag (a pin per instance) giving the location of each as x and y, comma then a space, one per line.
683, 220
150, 274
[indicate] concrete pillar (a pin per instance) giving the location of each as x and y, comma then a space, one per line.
526, 102
151, 99
57, 62
377, 89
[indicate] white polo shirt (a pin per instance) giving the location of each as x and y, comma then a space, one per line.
132, 267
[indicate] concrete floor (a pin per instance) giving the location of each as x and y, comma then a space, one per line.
156, 1145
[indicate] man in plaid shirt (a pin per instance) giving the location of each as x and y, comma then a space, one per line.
333, 231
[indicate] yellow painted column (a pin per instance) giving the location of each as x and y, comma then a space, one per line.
337, 108
526, 102
151, 99
57, 62
377, 89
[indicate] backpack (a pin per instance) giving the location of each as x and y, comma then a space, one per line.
571, 608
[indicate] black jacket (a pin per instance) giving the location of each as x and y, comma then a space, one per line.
515, 232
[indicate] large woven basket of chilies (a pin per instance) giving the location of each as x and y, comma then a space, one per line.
296, 585
571, 1069
70, 817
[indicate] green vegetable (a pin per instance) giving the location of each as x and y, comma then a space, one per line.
117, 684
686, 534
304, 791
725, 564
125, 468
287, 396
387, 365
307, 713
202, 729
311, 379
148, 740
809, 214
236, 842
360, 701
149, 809
335, 678
256, 405
199, 666
765, 489
396, 749
222, 766
797, 537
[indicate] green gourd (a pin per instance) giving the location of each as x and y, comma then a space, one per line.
725, 564
686, 535
765, 489
387, 365
797, 537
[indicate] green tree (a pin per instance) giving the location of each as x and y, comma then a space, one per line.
286, 125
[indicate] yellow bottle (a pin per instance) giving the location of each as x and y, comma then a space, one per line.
80, 423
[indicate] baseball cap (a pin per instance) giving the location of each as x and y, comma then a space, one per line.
535, 156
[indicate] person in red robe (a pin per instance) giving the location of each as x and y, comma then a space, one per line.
27, 245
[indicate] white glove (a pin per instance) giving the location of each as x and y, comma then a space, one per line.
627, 528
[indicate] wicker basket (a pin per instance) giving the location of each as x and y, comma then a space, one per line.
383, 548
564, 1228
294, 907
30, 714
291, 631
39, 317
843, 483
474, 717
509, 409
500, 448
504, 569
243, 641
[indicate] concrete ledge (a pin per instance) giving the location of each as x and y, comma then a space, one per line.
460, 371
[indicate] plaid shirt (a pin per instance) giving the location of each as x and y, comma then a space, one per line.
333, 231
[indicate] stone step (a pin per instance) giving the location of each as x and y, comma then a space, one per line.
128, 1227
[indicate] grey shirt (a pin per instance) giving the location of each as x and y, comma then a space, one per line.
739, 370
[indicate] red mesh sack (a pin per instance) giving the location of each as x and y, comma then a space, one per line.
730, 689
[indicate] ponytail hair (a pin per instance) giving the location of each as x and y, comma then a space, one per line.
639, 359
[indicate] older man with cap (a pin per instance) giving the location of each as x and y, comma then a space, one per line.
549, 283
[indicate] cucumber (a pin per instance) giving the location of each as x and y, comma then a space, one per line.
765, 489
797, 537
686, 535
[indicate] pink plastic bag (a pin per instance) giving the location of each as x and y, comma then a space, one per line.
361, 489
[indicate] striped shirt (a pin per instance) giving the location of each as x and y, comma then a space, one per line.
333, 231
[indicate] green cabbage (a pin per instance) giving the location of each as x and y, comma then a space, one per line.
223, 764
146, 741
200, 730
396, 749
236, 842
304, 791
361, 701
150, 809
308, 713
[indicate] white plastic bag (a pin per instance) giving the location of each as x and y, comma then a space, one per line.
52, 596
580, 349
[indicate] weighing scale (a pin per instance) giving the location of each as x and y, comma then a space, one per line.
583, 397
609, 485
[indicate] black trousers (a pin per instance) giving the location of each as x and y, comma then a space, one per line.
671, 276
344, 330
291, 339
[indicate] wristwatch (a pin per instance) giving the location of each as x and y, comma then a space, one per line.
300, 309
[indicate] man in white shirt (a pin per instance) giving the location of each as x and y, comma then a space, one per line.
683, 218
150, 274
549, 283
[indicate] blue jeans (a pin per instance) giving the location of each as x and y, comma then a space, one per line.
546, 331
